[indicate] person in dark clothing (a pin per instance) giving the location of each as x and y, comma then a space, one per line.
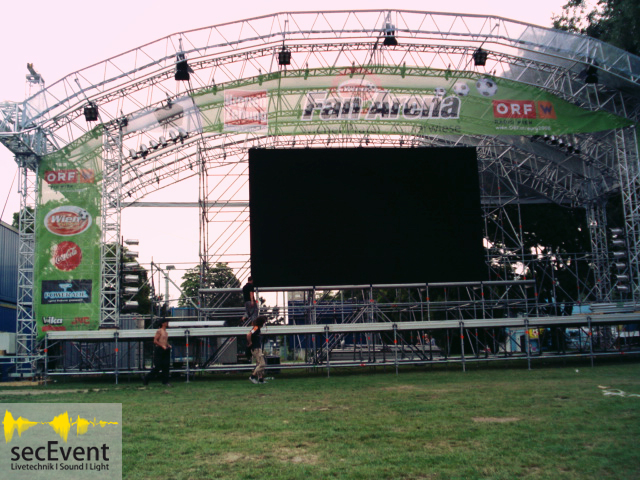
250, 304
254, 343
161, 355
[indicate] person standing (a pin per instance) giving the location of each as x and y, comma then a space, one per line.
254, 343
250, 304
161, 355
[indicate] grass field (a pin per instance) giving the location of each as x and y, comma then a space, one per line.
490, 422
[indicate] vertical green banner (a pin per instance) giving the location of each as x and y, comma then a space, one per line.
68, 232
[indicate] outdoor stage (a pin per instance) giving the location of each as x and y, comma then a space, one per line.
533, 116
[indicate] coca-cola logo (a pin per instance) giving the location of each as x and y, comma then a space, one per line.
66, 256
68, 220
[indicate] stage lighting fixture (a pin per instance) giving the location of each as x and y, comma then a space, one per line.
284, 56
163, 141
133, 154
91, 112
389, 35
131, 304
480, 57
153, 144
182, 68
173, 136
144, 151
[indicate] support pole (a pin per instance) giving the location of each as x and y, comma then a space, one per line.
526, 342
46, 357
326, 347
186, 333
395, 344
115, 337
590, 339
464, 365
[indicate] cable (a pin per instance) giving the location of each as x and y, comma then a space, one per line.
9, 193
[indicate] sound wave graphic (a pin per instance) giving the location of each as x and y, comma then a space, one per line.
61, 424
11, 425
83, 425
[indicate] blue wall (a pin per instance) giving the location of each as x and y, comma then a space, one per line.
7, 317
8, 277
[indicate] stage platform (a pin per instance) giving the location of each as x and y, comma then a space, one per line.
387, 344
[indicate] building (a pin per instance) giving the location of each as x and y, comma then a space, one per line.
8, 277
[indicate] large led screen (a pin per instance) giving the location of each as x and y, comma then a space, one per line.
354, 216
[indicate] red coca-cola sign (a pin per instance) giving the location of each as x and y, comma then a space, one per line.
67, 220
66, 256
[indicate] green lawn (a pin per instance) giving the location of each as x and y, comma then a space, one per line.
490, 422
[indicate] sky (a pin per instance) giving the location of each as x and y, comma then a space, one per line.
63, 36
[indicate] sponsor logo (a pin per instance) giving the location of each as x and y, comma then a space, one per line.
357, 88
68, 220
51, 321
83, 321
246, 110
56, 440
54, 328
66, 256
74, 291
383, 105
359, 97
528, 109
546, 110
57, 177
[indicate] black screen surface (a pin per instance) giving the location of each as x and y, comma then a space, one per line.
353, 216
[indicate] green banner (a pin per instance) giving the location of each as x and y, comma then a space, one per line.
68, 232
388, 100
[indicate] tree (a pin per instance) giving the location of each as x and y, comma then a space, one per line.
613, 21
16, 220
219, 275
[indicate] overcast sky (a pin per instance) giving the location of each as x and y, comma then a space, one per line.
63, 36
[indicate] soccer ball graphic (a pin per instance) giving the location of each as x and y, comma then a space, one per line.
486, 87
440, 92
461, 89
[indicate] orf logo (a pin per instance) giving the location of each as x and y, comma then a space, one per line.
68, 220
56, 177
514, 109
523, 109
